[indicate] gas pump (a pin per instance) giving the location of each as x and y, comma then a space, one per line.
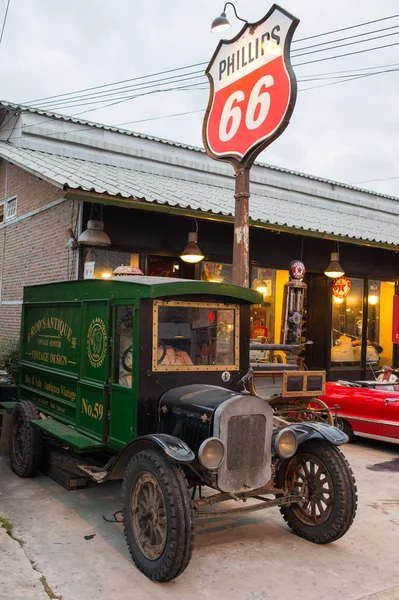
292, 316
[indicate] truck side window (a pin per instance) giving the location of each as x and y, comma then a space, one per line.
123, 345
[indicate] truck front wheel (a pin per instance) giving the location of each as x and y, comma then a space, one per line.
320, 473
25, 440
158, 518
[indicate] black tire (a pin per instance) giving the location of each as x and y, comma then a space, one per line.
346, 427
169, 558
25, 440
338, 501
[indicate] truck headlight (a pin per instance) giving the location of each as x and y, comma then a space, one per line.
211, 453
286, 443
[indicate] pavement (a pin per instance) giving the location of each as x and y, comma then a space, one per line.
79, 556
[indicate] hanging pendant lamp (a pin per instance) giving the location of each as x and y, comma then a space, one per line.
95, 235
334, 269
192, 253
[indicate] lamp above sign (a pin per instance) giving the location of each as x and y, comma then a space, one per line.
252, 89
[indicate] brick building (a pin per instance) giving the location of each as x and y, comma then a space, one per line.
54, 169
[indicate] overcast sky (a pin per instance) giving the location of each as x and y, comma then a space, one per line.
346, 132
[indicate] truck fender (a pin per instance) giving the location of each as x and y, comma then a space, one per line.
175, 448
307, 431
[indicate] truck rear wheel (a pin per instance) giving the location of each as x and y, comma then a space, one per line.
25, 440
158, 519
320, 473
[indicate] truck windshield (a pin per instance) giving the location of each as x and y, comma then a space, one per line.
195, 336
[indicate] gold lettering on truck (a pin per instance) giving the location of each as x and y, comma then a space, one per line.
96, 342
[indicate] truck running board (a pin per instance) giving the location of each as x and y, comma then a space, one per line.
68, 435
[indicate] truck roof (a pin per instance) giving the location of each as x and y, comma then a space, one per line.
137, 286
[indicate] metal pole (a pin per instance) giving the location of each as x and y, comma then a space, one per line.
241, 229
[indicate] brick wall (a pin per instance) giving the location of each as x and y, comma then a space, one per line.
33, 249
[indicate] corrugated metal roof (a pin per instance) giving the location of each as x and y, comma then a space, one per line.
356, 223
20, 108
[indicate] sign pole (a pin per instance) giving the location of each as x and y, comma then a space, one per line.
241, 229
252, 96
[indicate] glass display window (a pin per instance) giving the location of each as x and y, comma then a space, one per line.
347, 326
379, 322
217, 272
266, 317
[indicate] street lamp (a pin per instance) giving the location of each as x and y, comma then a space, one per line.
222, 23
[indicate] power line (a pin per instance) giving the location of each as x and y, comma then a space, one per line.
115, 83
5, 19
344, 39
79, 92
121, 98
58, 133
346, 54
348, 44
375, 180
120, 93
346, 28
315, 87
71, 101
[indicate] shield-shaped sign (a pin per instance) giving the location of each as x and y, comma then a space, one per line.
253, 89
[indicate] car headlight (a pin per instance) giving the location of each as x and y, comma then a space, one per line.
211, 453
286, 443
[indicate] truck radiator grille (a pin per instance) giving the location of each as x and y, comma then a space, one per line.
246, 442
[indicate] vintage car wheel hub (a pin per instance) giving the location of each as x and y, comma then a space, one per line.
308, 477
149, 520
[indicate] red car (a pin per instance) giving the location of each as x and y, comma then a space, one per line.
366, 408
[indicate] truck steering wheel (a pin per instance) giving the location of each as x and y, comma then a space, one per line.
164, 350
127, 367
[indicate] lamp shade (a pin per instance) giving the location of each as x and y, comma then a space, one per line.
192, 253
94, 235
220, 23
334, 269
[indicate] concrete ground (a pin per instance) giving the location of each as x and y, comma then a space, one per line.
254, 557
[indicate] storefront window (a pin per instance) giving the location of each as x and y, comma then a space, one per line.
379, 323
266, 317
217, 272
105, 261
347, 320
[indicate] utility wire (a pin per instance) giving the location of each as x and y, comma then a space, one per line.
71, 117
79, 92
348, 44
346, 54
4, 22
115, 125
374, 180
345, 39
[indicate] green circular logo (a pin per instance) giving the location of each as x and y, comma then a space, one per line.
97, 342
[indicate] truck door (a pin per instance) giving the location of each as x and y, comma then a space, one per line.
123, 411
92, 401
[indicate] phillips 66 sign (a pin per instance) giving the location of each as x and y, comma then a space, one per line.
253, 89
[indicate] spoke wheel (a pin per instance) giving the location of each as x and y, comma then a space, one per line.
158, 516
148, 514
25, 440
322, 476
307, 476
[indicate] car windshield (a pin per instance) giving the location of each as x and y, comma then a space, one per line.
195, 336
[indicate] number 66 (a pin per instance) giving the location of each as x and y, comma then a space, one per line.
233, 113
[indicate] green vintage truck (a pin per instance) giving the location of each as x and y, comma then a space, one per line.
145, 380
